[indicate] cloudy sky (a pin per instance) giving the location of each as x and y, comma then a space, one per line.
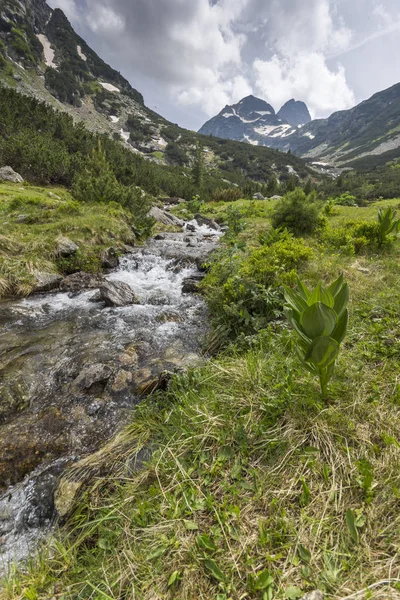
190, 58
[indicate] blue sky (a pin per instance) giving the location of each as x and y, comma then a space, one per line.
191, 57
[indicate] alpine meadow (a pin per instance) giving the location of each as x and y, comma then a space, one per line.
199, 331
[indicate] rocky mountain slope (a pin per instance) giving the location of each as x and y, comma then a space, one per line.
253, 120
42, 56
370, 129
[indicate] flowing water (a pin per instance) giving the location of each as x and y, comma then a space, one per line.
71, 371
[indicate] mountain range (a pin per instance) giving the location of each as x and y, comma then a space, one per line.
42, 56
370, 129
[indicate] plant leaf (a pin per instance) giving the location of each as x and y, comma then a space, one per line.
318, 320
304, 554
342, 300
205, 543
293, 592
263, 580
336, 286
294, 300
321, 294
339, 332
351, 525
191, 525
322, 352
214, 569
304, 291
174, 577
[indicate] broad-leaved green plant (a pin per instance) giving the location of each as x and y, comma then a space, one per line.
319, 319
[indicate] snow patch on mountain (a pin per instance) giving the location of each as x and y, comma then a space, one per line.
82, 56
49, 53
109, 87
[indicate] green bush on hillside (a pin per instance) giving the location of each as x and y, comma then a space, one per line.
297, 212
244, 292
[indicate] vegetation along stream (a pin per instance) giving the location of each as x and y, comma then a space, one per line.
73, 368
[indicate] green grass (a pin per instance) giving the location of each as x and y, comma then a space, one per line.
252, 474
30, 246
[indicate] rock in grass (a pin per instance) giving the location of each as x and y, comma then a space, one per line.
117, 293
8, 174
163, 217
317, 595
66, 247
46, 282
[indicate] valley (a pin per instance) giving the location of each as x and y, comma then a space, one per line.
199, 338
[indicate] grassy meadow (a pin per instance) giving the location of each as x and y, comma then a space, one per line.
256, 487
31, 221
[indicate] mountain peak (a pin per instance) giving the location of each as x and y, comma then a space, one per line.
295, 113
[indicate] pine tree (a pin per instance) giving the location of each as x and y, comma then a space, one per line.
308, 187
198, 166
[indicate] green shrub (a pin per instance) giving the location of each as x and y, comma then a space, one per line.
243, 292
230, 194
319, 319
355, 237
278, 263
345, 199
297, 212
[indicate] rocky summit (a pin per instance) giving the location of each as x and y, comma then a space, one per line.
370, 129
254, 121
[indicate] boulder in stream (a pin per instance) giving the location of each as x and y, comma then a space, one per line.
78, 282
93, 376
46, 282
117, 293
190, 285
201, 220
110, 259
165, 218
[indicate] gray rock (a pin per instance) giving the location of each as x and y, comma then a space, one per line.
77, 282
93, 375
46, 282
17, 77
117, 293
173, 201
276, 197
190, 285
66, 247
190, 227
258, 196
22, 218
110, 259
96, 297
8, 174
158, 298
53, 195
201, 220
163, 217
317, 595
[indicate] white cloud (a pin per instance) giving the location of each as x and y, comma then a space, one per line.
305, 77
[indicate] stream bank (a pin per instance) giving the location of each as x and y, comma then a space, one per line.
72, 369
